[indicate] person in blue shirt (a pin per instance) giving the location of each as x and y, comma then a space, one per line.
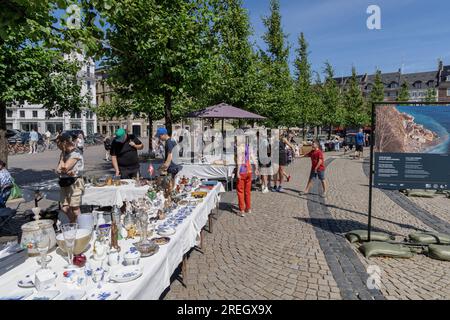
34, 138
360, 141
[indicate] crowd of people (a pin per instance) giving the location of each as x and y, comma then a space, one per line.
122, 150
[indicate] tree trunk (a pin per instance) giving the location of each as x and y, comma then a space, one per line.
168, 111
3, 140
329, 133
150, 135
303, 131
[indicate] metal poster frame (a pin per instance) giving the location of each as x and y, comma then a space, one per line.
372, 145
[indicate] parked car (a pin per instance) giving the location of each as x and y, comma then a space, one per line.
13, 136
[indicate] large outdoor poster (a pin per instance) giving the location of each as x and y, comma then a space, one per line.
412, 147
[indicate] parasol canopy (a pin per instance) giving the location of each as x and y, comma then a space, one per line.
224, 111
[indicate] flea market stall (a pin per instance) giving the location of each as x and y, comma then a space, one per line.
132, 258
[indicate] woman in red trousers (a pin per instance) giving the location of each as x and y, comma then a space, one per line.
245, 158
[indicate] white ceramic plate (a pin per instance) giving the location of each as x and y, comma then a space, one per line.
71, 295
17, 295
126, 274
44, 295
168, 231
106, 292
28, 280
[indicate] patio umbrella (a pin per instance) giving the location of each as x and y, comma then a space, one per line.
224, 111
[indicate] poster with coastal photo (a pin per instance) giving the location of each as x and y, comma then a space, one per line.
413, 129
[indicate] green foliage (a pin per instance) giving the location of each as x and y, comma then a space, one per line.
161, 49
377, 93
278, 83
304, 95
334, 112
431, 95
234, 77
32, 65
403, 94
357, 113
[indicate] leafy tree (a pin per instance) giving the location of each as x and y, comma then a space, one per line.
144, 107
32, 65
377, 93
431, 95
357, 113
278, 83
403, 94
234, 78
334, 114
161, 49
303, 102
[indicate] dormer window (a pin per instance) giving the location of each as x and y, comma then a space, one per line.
393, 85
418, 84
430, 84
447, 79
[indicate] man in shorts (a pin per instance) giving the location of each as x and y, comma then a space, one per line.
360, 141
317, 168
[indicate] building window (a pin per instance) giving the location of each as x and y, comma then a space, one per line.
430, 84
393, 85
9, 113
35, 114
22, 113
448, 92
418, 85
447, 79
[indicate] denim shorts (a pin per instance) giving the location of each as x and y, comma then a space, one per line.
319, 174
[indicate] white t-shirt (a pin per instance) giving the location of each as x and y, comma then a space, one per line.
78, 167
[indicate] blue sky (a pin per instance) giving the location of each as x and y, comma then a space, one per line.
415, 33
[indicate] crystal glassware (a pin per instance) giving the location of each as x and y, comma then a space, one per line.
42, 245
70, 234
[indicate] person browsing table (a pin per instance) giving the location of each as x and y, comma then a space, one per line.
169, 165
70, 168
124, 154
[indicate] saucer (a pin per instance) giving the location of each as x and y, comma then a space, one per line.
106, 292
28, 280
126, 274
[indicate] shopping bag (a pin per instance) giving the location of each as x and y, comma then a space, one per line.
16, 193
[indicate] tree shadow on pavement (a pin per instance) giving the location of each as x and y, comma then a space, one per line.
339, 227
309, 198
26, 176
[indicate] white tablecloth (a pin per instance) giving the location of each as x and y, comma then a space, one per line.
157, 269
207, 171
93, 196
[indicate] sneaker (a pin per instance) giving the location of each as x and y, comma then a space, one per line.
265, 190
280, 189
241, 214
274, 189
249, 211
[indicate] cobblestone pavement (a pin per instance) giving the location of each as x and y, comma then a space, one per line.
292, 247
271, 254
416, 278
